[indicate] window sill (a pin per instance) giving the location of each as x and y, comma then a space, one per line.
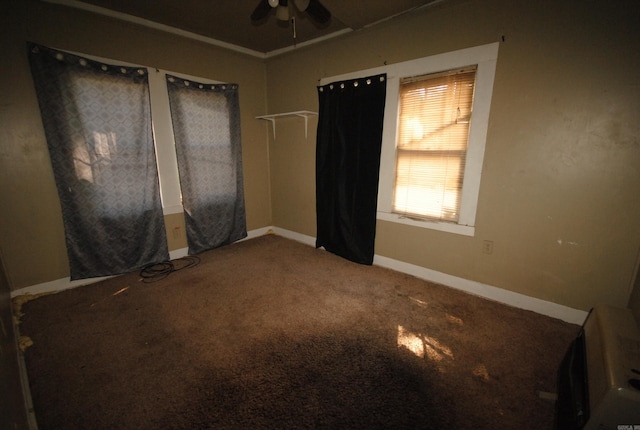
175, 209
448, 227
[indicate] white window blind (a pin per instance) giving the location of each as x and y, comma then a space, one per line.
433, 131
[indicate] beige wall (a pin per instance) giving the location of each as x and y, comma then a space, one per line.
31, 235
561, 173
561, 180
634, 299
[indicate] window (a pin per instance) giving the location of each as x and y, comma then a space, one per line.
434, 116
209, 181
115, 165
163, 136
459, 213
109, 154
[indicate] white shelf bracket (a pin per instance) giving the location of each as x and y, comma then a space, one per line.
273, 125
301, 113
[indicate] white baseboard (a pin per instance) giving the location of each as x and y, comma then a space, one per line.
521, 301
251, 234
517, 300
55, 286
298, 237
178, 253
183, 252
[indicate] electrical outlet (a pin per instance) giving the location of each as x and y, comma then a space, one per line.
487, 246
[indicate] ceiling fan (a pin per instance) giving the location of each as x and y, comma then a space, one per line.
313, 8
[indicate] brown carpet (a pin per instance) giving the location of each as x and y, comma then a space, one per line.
271, 333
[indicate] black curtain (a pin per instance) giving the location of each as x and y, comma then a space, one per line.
349, 140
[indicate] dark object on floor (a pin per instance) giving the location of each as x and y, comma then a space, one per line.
595, 381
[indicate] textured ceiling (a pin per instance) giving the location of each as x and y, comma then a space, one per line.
229, 20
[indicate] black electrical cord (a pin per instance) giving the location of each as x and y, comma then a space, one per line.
158, 271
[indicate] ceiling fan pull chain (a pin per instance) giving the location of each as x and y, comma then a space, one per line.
293, 27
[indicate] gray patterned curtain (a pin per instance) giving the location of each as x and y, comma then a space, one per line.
206, 126
97, 123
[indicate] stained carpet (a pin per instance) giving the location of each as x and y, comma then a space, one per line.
269, 333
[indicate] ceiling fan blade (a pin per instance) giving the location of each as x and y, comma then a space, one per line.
318, 12
261, 11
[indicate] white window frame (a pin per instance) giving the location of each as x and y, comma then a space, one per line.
485, 57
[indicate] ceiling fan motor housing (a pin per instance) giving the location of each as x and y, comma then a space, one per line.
313, 7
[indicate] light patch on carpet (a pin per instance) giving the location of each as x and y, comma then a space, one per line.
117, 293
544, 395
481, 372
423, 346
419, 302
122, 290
455, 320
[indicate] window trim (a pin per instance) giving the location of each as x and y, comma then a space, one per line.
485, 57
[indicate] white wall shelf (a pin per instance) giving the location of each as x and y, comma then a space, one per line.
300, 113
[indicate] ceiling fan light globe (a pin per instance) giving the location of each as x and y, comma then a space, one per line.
274, 3
282, 13
302, 5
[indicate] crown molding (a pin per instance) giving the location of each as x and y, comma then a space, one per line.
188, 34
